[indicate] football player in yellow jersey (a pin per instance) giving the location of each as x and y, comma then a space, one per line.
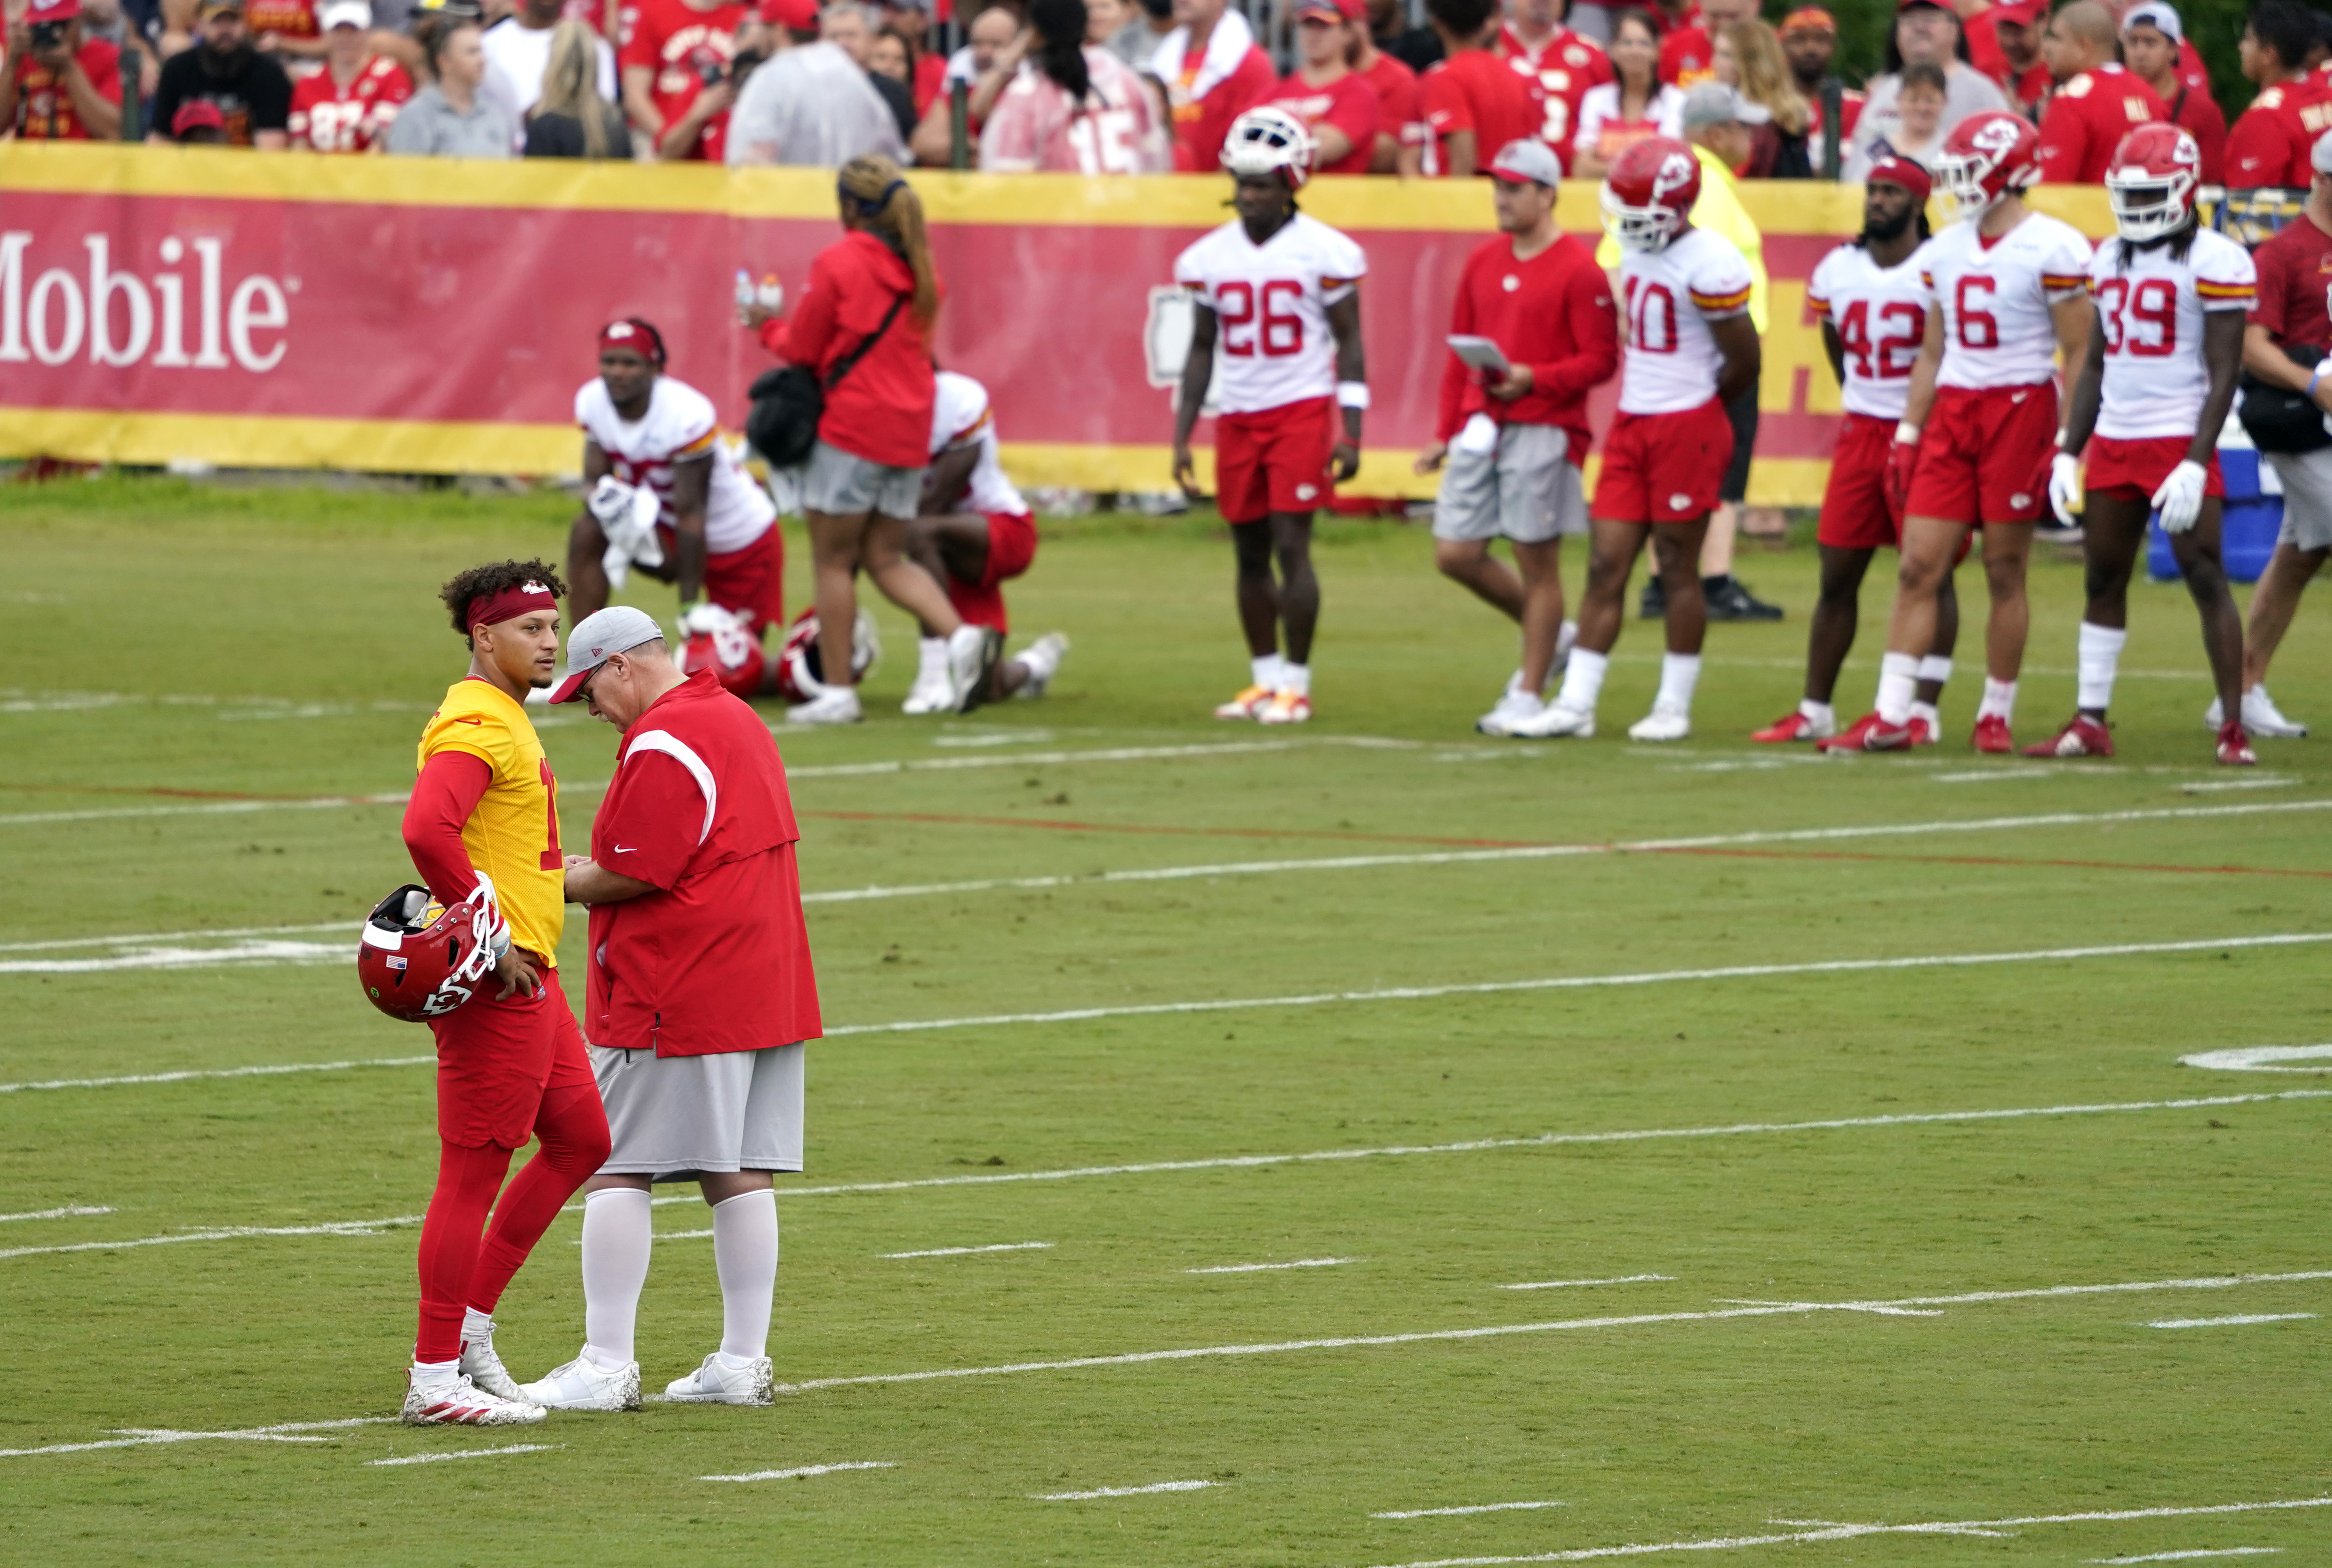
513, 1065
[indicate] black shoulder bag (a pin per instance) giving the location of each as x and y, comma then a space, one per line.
2279, 419
789, 400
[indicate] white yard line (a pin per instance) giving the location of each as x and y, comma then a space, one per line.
804, 1471
1853, 1532
1472, 1508
2263, 1058
225, 1234
1502, 1330
1121, 1491
350, 927
141, 1436
201, 809
1267, 1267
71, 1211
466, 1454
968, 1251
253, 950
2204, 1551
269, 1070
2234, 1321
1567, 1284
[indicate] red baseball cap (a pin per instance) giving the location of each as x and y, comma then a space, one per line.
801, 15
53, 10
2018, 12
195, 113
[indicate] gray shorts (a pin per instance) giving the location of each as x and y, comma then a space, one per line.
843, 486
673, 1116
1526, 490
2307, 479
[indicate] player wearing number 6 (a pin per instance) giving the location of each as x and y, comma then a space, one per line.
2149, 406
1279, 292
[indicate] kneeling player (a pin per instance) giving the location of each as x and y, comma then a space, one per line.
1873, 309
973, 531
1282, 290
1691, 350
2156, 390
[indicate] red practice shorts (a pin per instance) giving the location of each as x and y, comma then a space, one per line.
750, 581
1277, 460
1011, 546
1663, 468
1854, 514
496, 1059
2132, 470
1984, 455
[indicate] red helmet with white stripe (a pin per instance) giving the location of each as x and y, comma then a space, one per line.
801, 670
420, 960
1987, 157
726, 644
1648, 195
2151, 181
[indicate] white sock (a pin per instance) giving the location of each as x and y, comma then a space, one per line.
1295, 678
2098, 660
930, 659
1566, 638
1266, 671
437, 1371
476, 1327
745, 1255
1679, 673
1583, 681
1898, 682
1929, 712
1935, 667
617, 1236
1818, 713
1040, 658
1998, 700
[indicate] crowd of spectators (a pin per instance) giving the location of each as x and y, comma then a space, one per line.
1145, 86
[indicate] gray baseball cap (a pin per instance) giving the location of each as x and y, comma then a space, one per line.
1714, 103
617, 629
1526, 158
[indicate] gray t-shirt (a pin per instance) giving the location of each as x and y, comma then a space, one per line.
1966, 92
811, 106
431, 126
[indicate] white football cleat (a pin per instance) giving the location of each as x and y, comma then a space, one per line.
584, 1384
480, 1364
716, 1382
2260, 716
1555, 721
1513, 707
1286, 708
834, 705
1250, 701
1042, 660
933, 692
1663, 723
972, 656
456, 1402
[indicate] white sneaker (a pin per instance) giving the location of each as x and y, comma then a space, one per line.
1663, 723
584, 1384
2262, 718
1042, 660
717, 1382
1513, 707
834, 705
456, 1402
1554, 722
971, 655
480, 1365
933, 692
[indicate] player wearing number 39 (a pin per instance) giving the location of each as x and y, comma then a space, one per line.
1283, 292
2149, 406
699, 997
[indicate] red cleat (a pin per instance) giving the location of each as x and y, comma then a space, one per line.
2084, 736
2234, 747
1872, 733
1992, 737
1853, 736
1922, 732
1796, 727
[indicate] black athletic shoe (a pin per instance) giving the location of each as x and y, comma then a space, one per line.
1728, 600
1655, 604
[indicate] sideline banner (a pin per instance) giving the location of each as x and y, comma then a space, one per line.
428, 316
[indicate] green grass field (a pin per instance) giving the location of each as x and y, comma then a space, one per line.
1459, 1015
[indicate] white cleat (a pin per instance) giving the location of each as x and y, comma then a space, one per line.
834, 705
1514, 707
1555, 721
1042, 660
1663, 723
480, 1365
1250, 701
456, 1402
2261, 718
971, 653
719, 1380
933, 691
584, 1384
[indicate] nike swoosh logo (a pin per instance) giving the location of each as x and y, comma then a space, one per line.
2020, 397
625, 850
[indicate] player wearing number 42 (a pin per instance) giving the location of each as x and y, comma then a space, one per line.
2149, 406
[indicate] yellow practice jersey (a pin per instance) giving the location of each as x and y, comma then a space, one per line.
512, 836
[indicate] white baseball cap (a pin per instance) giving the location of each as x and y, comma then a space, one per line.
356, 14
1527, 160
617, 629
2153, 14
2320, 160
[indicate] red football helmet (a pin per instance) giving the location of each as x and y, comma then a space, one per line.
801, 669
420, 960
2151, 180
725, 644
1987, 157
1648, 195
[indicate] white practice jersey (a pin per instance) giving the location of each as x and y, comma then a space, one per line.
1880, 314
2151, 309
1672, 294
1995, 299
679, 424
961, 417
1272, 342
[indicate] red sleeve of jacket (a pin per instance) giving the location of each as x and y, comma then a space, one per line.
1455, 374
1594, 326
803, 338
2259, 149
450, 786
2199, 117
2064, 142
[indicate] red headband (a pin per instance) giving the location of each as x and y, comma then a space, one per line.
1901, 171
635, 335
510, 604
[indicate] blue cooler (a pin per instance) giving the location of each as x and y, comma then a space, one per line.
2253, 514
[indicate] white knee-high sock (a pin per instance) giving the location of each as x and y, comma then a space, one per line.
1679, 674
1899, 683
1999, 699
2097, 661
745, 1255
617, 1236
1582, 680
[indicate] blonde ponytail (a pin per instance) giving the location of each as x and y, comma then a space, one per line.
888, 206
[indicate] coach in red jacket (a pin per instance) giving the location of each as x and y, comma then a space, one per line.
700, 996
1515, 439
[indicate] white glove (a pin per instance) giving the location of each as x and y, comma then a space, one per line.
705, 619
627, 518
2180, 498
2064, 486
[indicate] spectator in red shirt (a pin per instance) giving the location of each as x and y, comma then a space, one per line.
1564, 65
1473, 99
2269, 143
1213, 73
1688, 52
1336, 104
2097, 102
676, 52
347, 106
2151, 39
1515, 441
60, 85
1808, 42
1401, 131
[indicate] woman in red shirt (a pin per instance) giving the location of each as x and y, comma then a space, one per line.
866, 474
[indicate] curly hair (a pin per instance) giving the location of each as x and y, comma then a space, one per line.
486, 582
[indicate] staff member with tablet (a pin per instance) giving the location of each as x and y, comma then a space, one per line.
1532, 331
